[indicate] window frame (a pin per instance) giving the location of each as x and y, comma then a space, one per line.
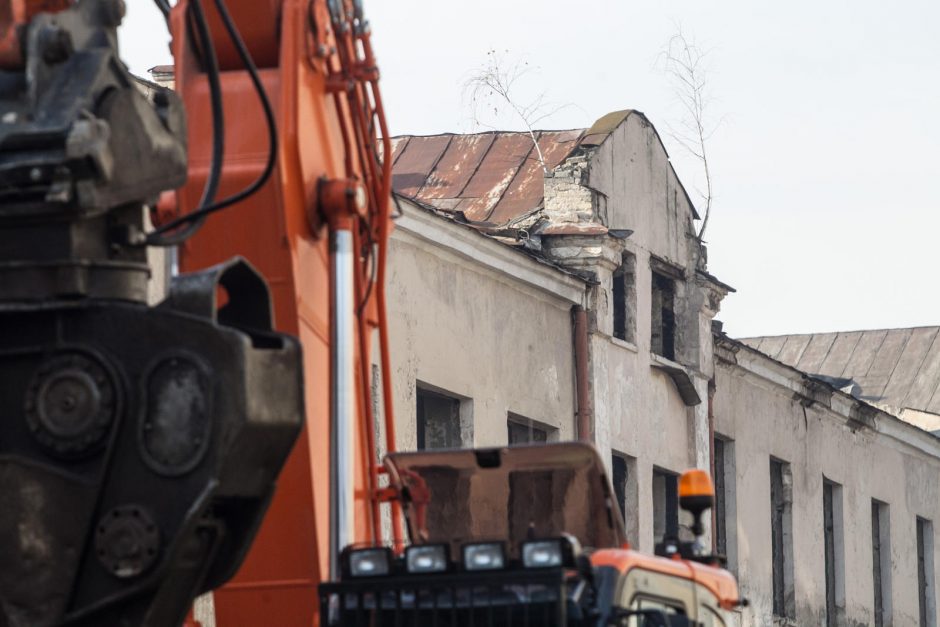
463, 414
781, 523
512, 418
663, 318
624, 300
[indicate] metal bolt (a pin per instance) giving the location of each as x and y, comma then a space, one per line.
35, 175
56, 45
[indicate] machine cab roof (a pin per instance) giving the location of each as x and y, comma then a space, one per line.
510, 494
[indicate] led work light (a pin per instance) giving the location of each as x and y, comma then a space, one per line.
369, 562
426, 558
484, 556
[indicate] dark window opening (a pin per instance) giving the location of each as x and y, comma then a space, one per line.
881, 561
525, 431
663, 320
620, 483
925, 598
624, 300
438, 421
721, 498
665, 505
781, 529
624, 480
832, 541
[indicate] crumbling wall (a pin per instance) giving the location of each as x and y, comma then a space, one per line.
770, 411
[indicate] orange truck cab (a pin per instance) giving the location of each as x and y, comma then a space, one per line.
525, 536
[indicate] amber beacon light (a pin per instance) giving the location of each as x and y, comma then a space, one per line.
696, 496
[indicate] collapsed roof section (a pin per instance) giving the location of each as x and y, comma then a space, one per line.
490, 178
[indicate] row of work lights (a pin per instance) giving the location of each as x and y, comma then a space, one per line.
475, 557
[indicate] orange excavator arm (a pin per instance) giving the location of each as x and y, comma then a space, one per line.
318, 230
161, 429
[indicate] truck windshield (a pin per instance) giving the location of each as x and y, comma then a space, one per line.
507, 494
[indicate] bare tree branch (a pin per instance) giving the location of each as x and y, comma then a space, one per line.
684, 63
489, 88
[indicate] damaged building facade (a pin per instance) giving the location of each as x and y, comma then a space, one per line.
568, 297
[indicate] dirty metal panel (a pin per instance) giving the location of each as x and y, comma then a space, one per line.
603, 127
840, 352
927, 381
770, 345
514, 493
398, 146
864, 354
444, 204
902, 379
883, 364
416, 161
934, 405
457, 166
495, 173
815, 353
793, 349
755, 343
527, 189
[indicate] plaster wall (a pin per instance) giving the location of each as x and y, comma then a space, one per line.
891, 462
631, 169
638, 411
462, 326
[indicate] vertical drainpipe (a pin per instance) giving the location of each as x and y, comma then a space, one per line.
585, 412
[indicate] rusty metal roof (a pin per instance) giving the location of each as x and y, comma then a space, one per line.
492, 177
898, 368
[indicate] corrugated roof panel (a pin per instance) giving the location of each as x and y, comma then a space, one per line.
398, 145
416, 161
898, 368
770, 346
909, 364
456, 166
934, 405
527, 189
494, 175
883, 364
864, 353
927, 381
840, 352
793, 349
815, 353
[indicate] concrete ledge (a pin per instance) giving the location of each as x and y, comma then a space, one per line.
420, 225
680, 376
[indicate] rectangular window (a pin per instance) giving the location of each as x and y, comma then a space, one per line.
834, 547
665, 505
623, 471
438, 420
663, 316
624, 298
881, 562
781, 531
620, 483
925, 582
725, 502
523, 430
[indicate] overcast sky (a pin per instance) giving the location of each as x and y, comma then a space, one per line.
825, 162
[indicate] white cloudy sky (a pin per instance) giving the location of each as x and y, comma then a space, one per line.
825, 163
